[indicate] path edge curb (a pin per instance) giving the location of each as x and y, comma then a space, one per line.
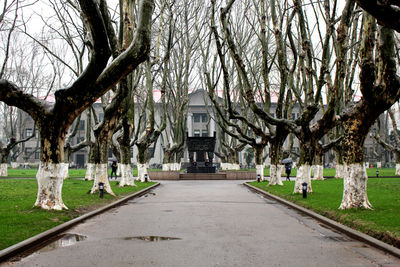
14, 250
340, 227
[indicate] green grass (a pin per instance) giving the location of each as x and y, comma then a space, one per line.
331, 172
81, 172
382, 222
29, 173
19, 220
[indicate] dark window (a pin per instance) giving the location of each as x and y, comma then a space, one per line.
196, 133
28, 150
293, 116
110, 154
28, 132
196, 117
204, 133
204, 117
131, 152
81, 125
37, 155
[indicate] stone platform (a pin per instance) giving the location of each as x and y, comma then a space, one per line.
226, 175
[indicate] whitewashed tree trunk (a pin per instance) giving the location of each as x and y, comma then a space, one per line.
397, 169
260, 171
3, 169
126, 175
50, 177
339, 171
379, 164
275, 175
90, 172
318, 172
14, 165
176, 166
119, 171
355, 187
142, 170
101, 176
65, 167
303, 176
229, 166
167, 166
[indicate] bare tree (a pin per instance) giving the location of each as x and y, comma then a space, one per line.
394, 146
386, 12
379, 85
54, 119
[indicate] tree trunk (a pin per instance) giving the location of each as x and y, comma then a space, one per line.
51, 173
90, 166
126, 167
50, 179
101, 165
355, 187
318, 168
318, 172
258, 157
307, 154
142, 164
275, 171
276, 159
355, 174
339, 168
397, 158
3, 169
303, 176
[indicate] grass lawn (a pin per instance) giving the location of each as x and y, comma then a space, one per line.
384, 194
28, 173
331, 172
19, 220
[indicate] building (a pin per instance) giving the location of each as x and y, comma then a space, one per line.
200, 122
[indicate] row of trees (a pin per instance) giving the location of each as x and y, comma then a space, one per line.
255, 55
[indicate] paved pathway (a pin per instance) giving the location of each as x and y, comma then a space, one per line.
218, 223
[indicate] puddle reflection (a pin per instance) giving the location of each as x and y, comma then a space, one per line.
152, 238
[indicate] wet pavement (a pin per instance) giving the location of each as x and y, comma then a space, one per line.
204, 223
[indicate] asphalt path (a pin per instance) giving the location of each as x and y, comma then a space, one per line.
206, 223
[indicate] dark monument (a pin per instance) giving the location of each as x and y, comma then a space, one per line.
201, 154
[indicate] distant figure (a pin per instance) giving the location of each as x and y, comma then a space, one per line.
288, 168
114, 167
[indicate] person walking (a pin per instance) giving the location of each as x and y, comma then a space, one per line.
288, 168
114, 167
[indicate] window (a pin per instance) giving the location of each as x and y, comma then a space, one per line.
200, 117
28, 132
204, 132
110, 153
79, 139
81, 125
196, 117
293, 116
204, 117
131, 149
196, 133
37, 155
28, 150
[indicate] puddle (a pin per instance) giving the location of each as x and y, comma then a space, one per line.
152, 238
63, 240
60, 241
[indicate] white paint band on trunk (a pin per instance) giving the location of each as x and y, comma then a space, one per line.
3, 169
